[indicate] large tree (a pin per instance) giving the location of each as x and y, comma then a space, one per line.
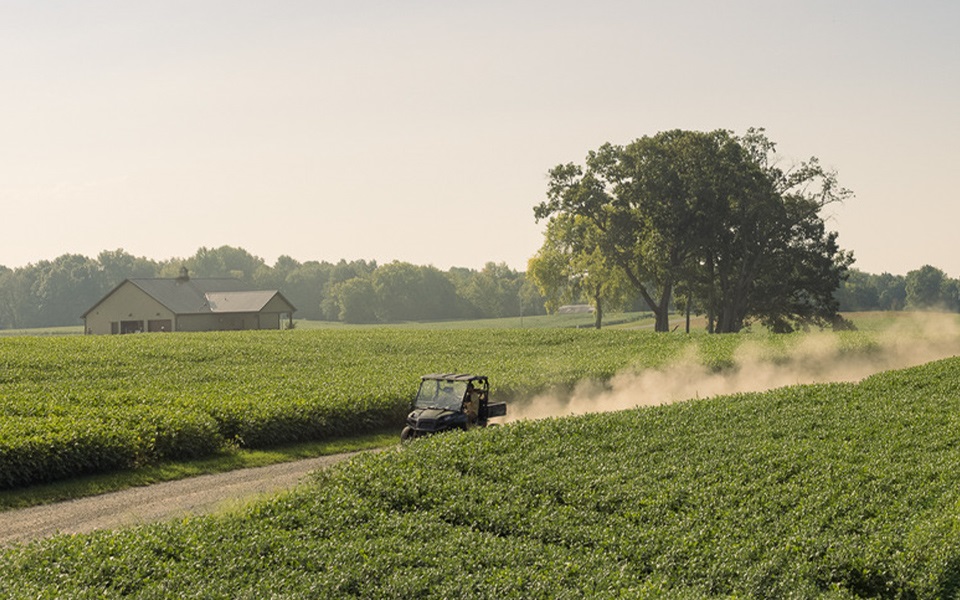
650, 202
775, 261
711, 212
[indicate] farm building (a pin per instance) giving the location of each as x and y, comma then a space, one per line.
186, 304
569, 309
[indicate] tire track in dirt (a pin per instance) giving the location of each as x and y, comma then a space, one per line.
160, 502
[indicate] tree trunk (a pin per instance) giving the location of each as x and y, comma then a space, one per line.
662, 312
659, 309
711, 296
598, 309
735, 295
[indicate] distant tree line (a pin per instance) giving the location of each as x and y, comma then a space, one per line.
926, 288
55, 293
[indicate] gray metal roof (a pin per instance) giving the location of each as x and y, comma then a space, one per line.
202, 295
227, 302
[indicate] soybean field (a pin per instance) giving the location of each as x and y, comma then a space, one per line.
87, 404
844, 490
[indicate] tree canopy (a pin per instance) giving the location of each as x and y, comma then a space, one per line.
710, 212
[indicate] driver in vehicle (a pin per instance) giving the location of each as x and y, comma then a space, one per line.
471, 404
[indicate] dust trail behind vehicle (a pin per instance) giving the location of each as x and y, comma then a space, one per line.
818, 358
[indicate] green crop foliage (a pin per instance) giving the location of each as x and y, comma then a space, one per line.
86, 404
845, 490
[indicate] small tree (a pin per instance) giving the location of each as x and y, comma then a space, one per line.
64, 288
570, 265
494, 291
357, 301
924, 288
407, 292
225, 261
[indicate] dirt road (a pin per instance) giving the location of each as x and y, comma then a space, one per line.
160, 502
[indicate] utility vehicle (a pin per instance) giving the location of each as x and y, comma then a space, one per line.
448, 401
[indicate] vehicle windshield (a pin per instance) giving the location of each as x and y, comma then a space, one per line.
441, 394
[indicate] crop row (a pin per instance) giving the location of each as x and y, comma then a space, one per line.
75, 405
835, 490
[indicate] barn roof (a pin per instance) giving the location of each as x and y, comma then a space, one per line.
227, 302
202, 295
186, 296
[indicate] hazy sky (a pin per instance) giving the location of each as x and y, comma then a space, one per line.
423, 130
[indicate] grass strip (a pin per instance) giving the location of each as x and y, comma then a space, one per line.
228, 460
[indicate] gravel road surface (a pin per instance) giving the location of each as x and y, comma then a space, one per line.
159, 502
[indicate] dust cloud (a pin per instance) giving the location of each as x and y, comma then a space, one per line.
816, 358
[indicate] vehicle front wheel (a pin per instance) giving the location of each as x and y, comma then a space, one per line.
407, 434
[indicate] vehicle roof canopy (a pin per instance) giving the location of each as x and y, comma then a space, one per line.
454, 377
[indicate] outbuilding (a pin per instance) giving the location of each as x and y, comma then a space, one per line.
187, 304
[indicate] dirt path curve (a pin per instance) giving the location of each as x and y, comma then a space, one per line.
160, 502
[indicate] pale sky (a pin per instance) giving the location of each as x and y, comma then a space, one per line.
423, 131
